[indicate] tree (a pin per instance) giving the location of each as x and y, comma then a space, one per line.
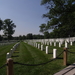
46, 35
43, 28
29, 36
23, 37
1, 24
20, 37
61, 16
16, 38
9, 28
1, 38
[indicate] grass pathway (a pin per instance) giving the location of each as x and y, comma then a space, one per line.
30, 55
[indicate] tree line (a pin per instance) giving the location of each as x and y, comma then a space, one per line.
29, 36
61, 18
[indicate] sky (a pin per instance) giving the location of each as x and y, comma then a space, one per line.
26, 14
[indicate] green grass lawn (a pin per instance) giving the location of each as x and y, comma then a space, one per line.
3, 51
30, 55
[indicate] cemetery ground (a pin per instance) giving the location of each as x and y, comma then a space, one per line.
28, 54
3, 51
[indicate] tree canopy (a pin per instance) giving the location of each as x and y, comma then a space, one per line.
9, 28
1, 24
61, 17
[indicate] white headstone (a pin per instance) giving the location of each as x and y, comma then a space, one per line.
65, 44
45, 43
59, 44
71, 43
54, 43
11, 52
46, 49
50, 43
7, 56
38, 46
54, 53
41, 47
34, 44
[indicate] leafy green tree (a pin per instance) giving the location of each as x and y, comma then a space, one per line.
29, 36
38, 36
23, 37
43, 28
1, 27
34, 36
61, 16
20, 37
16, 38
1, 24
1, 38
46, 35
9, 28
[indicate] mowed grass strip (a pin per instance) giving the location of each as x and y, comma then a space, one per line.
31, 55
3, 51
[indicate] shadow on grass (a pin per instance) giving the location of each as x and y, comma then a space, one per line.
44, 49
59, 58
16, 52
50, 53
68, 64
16, 56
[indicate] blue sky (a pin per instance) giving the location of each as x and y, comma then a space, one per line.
26, 14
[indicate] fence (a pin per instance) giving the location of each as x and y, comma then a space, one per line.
9, 54
10, 61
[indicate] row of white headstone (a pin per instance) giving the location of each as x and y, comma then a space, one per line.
56, 39
55, 43
68, 39
35, 44
9, 54
41, 46
6, 43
